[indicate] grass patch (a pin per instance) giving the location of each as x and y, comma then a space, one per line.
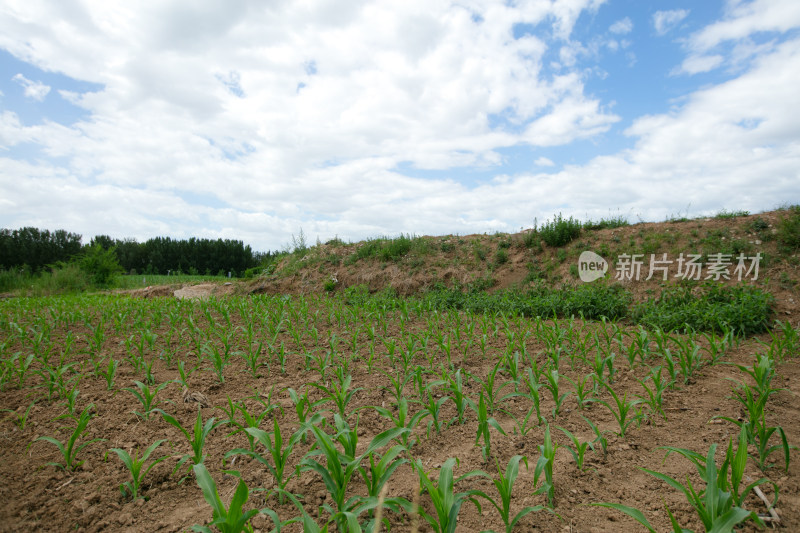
560, 231
743, 308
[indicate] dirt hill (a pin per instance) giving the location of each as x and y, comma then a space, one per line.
409, 265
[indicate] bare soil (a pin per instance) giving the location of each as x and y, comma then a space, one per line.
39, 497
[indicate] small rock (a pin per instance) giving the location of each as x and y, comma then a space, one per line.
125, 519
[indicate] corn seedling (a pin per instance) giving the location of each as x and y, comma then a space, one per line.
251, 420
455, 386
578, 448
600, 437
552, 385
134, 464
484, 421
278, 453
622, 414
197, 437
445, 501
655, 393
489, 388
339, 470
110, 372
433, 407
715, 506
338, 393
690, 358
544, 464
20, 420
402, 419
147, 397
504, 484
69, 449
231, 520
581, 389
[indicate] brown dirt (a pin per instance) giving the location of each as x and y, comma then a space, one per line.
38, 497
43, 498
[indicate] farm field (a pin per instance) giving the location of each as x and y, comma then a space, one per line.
356, 397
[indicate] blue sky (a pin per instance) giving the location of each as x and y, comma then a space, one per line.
359, 118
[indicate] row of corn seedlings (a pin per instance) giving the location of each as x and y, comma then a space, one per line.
435, 364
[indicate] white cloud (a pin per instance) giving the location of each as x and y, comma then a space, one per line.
35, 90
663, 21
299, 114
622, 26
695, 64
742, 19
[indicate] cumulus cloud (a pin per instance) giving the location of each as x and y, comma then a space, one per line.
663, 21
291, 114
35, 90
622, 26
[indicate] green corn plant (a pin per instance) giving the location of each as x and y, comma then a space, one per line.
533, 386
69, 449
339, 470
655, 394
489, 388
544, 464
762, 371
581, 389
231, 520
323, 360
690, 358
219, 359
110, 372
381, 467
20, 420
758, 433
149, 378
398, 381
578, 448
599, 366
303, 406
250, 420
279, 453
433, 407
183, 376
403, 420
512, 366
504, 483
672, 369
196, 438
522, 424
623, 413
134, 464
552, 385
714, 505
484, 421
600, 437
455, 386
147, 397
445, 501
338, 393
19, 366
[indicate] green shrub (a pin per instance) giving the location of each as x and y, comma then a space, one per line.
101, 265
744, 308
789, 229
501, 257
560, 231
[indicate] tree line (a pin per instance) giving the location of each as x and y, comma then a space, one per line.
36, 250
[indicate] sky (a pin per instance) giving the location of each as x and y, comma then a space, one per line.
253, 120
